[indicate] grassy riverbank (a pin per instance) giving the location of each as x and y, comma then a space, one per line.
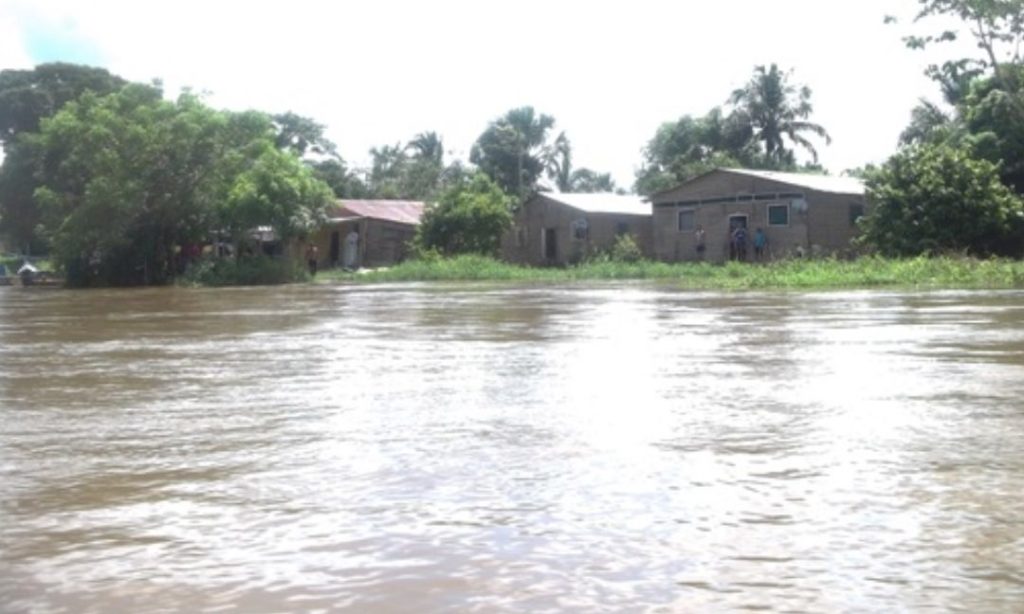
925, 273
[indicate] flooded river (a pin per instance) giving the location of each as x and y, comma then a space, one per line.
477, 449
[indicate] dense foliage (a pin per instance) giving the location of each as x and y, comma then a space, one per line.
515, 151
469, 218
765, 115
26, 98
930, 199
129, 178
952, 185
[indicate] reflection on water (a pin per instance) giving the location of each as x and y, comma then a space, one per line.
469, 448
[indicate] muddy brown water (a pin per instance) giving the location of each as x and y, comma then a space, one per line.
436, 448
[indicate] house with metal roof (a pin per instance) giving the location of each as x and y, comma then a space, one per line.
797, 214
367, 233
558, 229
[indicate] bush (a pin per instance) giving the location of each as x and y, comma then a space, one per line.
246, 271
626, 250
469, 218
933, 199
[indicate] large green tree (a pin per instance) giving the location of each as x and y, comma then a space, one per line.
994, 118
468, 218
778, 112
929, 199
985, 91
690, 146
125, 178
514, 150
301, 135
342, 181
415, 170
997, 27
26, 98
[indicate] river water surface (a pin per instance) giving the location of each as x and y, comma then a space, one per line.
434, 448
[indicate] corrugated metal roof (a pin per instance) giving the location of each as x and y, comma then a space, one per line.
602, 202
820, 183
400, 211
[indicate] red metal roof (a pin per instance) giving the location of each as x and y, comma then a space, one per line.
400, 211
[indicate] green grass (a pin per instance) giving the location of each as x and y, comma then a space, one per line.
923, 273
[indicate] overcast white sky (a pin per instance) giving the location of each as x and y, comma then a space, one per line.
379, 71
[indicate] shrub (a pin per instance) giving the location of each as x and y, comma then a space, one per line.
931, 199
245, 271
469, 218
625, 249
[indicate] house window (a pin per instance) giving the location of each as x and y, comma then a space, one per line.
686, 220
778, 215
856, 212
580, 230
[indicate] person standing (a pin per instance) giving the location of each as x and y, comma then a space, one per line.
351, 255
760, 243
698, 237
312, 258
739, 241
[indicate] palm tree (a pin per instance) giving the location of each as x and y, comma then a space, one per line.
427, 146
560, 163
513, 149
777, 109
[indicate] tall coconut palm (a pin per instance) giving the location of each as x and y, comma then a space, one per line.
427, 146
778, 109
513, 149
560, 163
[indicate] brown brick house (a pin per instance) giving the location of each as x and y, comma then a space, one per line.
383, 228
799, 213
557, 229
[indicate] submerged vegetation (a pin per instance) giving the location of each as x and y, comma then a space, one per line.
244, 271
870, 272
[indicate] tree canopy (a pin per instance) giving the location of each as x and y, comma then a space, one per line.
776, 111
937, 198
468, 218
514, 150
764, 117
26, 98
127, 177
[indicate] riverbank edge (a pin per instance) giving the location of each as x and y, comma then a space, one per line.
870, 272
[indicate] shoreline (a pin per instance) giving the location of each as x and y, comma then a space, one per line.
942, 273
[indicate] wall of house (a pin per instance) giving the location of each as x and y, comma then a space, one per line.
674, 245
381, 242
832, 229
384, 243
822, 227
524, 243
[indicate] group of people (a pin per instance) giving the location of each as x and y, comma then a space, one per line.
738, 240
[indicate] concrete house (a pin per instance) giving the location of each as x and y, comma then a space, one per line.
557, 229
799, 213
383, 230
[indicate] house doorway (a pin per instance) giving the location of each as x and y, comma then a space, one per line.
738, 237
335, 255
550, 244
